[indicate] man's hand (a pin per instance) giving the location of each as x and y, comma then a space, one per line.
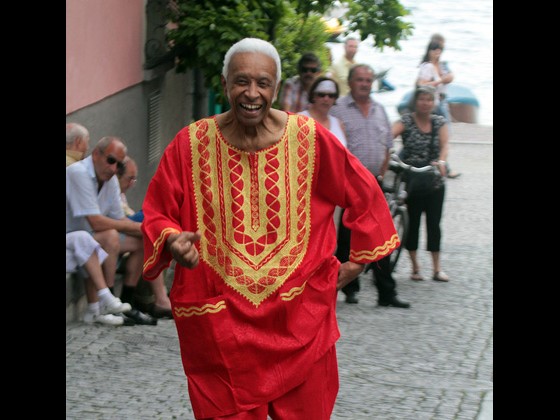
347, 272
182, 248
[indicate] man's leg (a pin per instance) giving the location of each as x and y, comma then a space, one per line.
385, 283
258, 413
162, 304
110, 242
134, 262
343, 253
314, 399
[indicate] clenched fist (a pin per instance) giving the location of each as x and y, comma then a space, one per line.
182, 248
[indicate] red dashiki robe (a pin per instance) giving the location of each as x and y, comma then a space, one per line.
259, 309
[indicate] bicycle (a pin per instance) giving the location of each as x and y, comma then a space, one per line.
394, 188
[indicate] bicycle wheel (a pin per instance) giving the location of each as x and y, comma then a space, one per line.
400, 219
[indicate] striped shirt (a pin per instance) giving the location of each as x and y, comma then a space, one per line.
368, 138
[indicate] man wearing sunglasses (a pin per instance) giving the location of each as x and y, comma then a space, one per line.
294, 96
93, 204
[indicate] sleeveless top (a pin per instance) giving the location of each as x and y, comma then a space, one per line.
416, 143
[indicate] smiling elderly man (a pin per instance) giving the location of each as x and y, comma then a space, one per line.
244, 202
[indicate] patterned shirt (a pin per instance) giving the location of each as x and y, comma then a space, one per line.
369, 137
294, 97
416, 144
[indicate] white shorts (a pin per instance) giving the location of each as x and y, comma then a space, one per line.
80, 246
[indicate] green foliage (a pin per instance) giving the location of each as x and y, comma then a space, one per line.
381, 19
297, 34
203, 31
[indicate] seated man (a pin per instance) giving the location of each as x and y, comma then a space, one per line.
93, 204
77, 142
79, 248
127, 175
84, 253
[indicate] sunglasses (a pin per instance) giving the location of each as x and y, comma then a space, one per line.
309, 69
322, 95
112, 160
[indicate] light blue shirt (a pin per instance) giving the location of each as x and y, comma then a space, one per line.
82, 198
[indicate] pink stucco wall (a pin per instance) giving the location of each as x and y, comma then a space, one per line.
104, 43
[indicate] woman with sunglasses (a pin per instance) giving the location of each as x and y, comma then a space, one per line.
322, 96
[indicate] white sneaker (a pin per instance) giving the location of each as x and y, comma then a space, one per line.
113, 305
106, 319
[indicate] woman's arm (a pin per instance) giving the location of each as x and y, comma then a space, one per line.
428, 75
443, 134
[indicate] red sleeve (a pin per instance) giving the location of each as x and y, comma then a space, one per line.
164, 204
344, 180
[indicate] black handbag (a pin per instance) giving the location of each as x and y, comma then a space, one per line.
420, 184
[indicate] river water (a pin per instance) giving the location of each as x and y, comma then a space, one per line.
469, 44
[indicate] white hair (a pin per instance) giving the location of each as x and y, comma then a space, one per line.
254, 45
74, 131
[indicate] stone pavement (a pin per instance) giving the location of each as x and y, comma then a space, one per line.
433, 361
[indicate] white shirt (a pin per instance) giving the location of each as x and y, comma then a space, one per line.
83, 200
336, 128
429, 72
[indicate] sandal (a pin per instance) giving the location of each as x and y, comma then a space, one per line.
440, 276
416, 276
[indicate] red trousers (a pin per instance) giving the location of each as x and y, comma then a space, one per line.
312, 400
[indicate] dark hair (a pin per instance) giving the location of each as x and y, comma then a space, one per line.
311, 92
308, 57
437, 38
433, 45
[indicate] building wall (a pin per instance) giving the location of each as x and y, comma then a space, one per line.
126, 115
104, 49
109, 91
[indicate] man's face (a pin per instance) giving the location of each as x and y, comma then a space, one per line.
361, 83
351, 48
105, 163
128, 179
251, 87
308, 71
83, 144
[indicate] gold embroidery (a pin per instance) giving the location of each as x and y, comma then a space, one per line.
158, 243
293, 292
382, 250
253, 208
181, 311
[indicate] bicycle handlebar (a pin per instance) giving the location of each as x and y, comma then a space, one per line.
395, 159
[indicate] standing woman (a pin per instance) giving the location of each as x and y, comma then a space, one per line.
323, 94
436, 73
425, 141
